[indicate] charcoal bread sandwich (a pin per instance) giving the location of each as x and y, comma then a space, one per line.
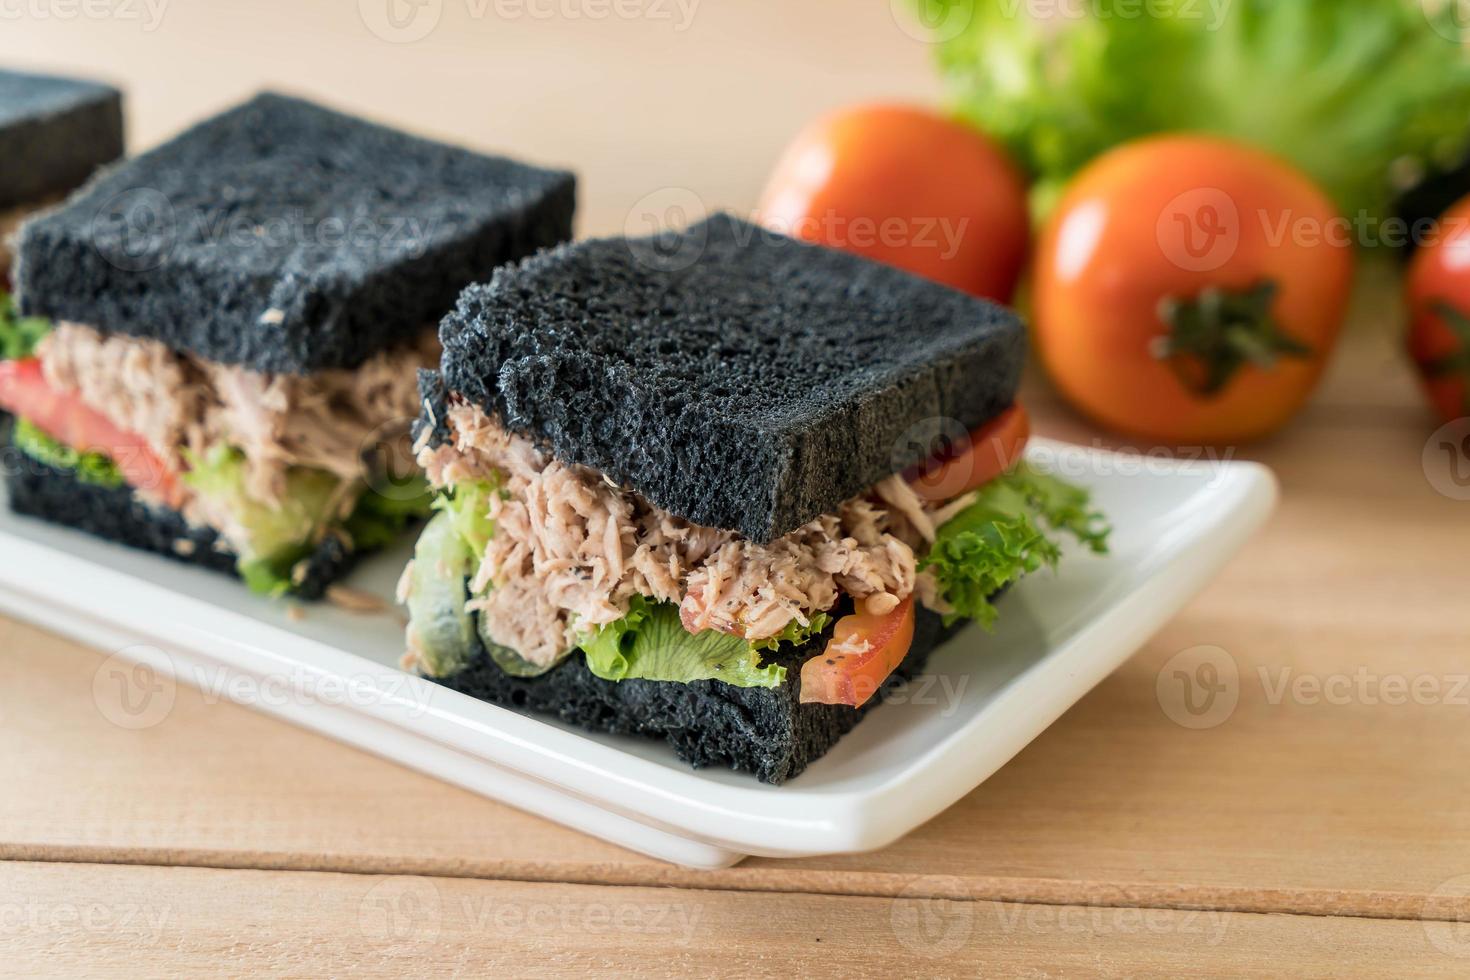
238, 317
721, 501
54, 133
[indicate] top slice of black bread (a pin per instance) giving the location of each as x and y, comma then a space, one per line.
54, 133
286, 237
735, 377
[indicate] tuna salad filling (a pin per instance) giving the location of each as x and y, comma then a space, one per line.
272, 462
539, 559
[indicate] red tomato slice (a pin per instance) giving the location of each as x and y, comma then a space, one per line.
65, 418
850, 673
990, 450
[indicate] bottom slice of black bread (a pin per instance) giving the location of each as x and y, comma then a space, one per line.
114, 513
766, 731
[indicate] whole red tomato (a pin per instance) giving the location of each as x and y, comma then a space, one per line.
908, 187
1439, 307
1190, 289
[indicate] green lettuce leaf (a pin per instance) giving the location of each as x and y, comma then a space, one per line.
795, 634
271, 576
1010, 531
93, 468
1346, 89
19, 335
651, 643
377, 520
273, 530
276, 536
279, 536
468, 507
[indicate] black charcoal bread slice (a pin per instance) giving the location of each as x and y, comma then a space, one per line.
54, 133
730, 375
286, 237
765, 731
115, 514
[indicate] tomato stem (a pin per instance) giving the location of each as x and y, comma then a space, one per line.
1458, 363
1215, 334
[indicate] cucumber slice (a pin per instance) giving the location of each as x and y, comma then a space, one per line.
507, 659
436, 599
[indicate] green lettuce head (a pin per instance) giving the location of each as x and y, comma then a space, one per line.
1351, 91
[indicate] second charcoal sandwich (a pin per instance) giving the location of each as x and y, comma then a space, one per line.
701, 500
238, 318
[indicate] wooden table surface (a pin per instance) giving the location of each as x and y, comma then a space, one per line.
1321, 828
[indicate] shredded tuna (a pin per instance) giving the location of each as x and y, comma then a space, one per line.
853, 645
571, 549
354, 600
182, 405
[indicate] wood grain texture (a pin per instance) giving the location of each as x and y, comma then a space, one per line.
183, 922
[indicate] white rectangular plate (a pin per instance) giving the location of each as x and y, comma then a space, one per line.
984, 697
